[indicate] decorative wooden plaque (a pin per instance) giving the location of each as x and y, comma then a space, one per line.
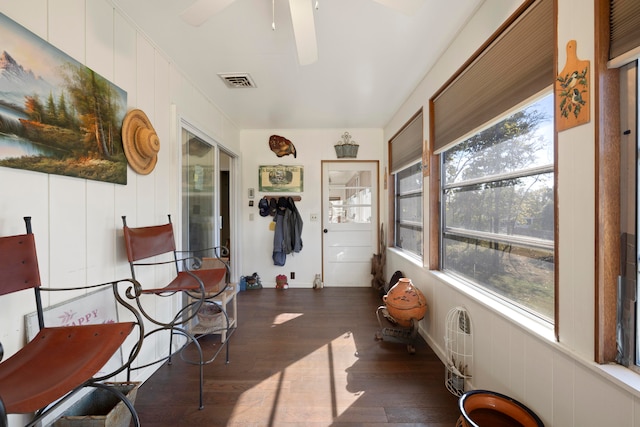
572, 91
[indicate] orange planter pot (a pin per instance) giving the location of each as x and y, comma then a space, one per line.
405, 302
482, 408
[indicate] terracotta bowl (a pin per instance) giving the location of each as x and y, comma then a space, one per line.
483, 408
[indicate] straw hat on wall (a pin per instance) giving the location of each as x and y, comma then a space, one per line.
140, 141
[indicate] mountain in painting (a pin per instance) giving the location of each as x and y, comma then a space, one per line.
16, 82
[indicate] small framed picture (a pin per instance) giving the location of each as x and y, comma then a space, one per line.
281, 178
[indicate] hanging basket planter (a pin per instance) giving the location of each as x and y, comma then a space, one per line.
346, 148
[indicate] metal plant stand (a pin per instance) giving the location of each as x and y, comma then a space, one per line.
391, 332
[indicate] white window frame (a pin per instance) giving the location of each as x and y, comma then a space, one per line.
500, 238
417, 224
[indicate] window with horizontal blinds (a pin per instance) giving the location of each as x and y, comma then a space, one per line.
515, 65
624, 21
406, 146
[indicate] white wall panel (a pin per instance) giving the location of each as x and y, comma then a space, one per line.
517, 361
31, 14
576, 216
124, 59
67, 28
145, 76
482, 348
100, 39
576, 196
146, 190
125, 66
100, 238
24, 193
636, 410
68, 233
538, 374
500, 359
563, 390
599, 403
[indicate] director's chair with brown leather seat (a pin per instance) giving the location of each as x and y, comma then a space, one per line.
152, 246
59, 361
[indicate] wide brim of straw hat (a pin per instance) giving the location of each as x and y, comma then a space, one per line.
140, 142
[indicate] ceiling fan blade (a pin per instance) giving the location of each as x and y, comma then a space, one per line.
408, 7
201, 10
304, 31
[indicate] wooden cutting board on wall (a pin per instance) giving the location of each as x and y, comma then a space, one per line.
572, 91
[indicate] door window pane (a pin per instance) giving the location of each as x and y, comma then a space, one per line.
350, 197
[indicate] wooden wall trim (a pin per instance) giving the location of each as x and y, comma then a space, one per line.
607, 189
434, 199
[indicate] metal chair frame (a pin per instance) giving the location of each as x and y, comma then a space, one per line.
146, 243
59, 361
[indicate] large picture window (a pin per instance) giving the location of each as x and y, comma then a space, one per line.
405, 152
493, 141
408, 208
498, 208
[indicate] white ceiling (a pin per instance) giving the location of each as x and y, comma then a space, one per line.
370, 57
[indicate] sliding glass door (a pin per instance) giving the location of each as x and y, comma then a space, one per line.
199, 193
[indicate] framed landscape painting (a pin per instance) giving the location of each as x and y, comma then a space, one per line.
56, 115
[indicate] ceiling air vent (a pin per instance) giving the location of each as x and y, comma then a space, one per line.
237, 80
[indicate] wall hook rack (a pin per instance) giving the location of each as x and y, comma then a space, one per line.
295, 198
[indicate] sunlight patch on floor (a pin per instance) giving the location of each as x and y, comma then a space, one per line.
284, 318
313, 389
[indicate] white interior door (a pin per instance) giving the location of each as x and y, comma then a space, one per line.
349, 222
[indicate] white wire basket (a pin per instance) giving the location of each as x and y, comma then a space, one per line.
459, 350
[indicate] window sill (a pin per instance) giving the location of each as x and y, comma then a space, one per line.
618, 374
414, 259
537, 327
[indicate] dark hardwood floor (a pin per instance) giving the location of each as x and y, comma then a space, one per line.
303, 357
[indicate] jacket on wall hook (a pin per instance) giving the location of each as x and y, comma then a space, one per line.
287, 237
